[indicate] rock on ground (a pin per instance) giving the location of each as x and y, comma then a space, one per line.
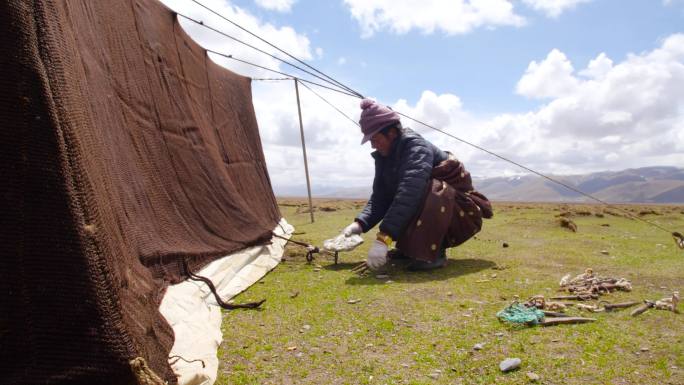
510, 364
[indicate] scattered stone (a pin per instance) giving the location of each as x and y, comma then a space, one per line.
500, 334
555, 340
317, 269
493, 275
389, 281
382, 276
478, 347
645, 349
533, 377
353, 301
663, 288
450, 294
291, 348
604, 252
294, 295
306, 327
510, 364
299, 354
405, 365
505, 245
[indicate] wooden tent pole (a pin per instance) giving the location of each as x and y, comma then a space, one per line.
306, 164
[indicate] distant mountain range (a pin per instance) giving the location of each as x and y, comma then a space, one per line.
661, 184
641, 185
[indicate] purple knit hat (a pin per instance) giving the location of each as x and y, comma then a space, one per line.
374, 118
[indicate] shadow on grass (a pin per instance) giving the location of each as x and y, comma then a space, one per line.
341, 266
454, 268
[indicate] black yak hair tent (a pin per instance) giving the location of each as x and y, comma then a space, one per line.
125, 151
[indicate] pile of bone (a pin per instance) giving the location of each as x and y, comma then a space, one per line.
591, 285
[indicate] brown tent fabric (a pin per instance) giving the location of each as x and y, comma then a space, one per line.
124, 151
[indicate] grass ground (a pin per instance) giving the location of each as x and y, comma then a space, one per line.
420, 328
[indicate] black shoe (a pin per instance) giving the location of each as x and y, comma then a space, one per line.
397, 255
427, 266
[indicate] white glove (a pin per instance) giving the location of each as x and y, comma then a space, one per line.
377, 255
353, 228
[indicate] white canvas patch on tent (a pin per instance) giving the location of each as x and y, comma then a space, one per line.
191, 310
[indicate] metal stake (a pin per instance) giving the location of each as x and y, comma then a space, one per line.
306, 164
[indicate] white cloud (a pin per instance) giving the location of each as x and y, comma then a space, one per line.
449, 16
335, 156
598, 68
553, 8
341, 60
628, 114
611, 139
552, 77
276, 5
437, 110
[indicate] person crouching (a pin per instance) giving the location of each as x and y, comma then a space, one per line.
422, 194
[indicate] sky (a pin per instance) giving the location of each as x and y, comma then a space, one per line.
560, 86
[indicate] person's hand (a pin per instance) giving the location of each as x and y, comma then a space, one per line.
377, 255
353, 228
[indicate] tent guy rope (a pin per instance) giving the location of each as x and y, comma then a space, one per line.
331, 79
201, 23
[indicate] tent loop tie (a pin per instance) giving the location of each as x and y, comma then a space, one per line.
179, 358
679, 239
310, 249
219, 301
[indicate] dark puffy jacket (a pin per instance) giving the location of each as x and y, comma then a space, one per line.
400, 182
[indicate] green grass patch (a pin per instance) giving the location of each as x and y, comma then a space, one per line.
420, 328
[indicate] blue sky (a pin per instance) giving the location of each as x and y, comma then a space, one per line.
511, 75
482, 66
